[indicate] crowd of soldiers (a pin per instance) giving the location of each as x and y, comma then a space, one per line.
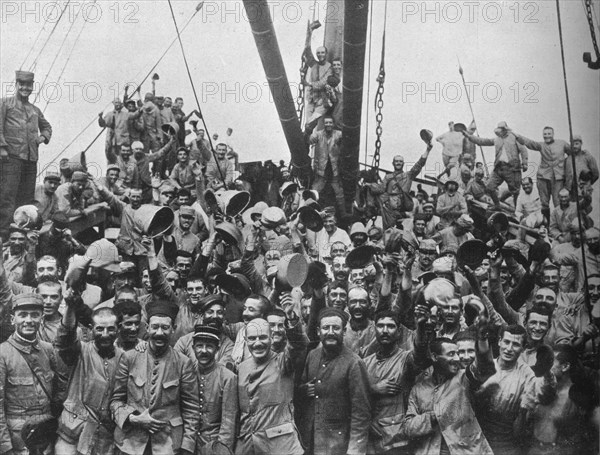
193, 323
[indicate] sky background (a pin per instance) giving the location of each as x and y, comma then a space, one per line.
509, 51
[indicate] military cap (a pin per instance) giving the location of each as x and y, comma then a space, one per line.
24, 76
29, 299
162, 308
208, 333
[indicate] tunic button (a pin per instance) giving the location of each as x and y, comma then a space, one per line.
156, 362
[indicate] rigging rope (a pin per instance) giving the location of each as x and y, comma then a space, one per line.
33, 65
187, 67
56, 57
379, 97
198, 8
564, 68
35, 41
68, 60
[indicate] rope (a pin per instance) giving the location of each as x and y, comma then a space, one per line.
68, 60
564, 68
33, 65
198, 8
35, 42
187, 67
56, 56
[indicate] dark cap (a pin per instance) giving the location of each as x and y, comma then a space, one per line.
60, 220
52, 176
26, 300
162, 308
208, 333
210, 300
79, 176
330, 312
24, 76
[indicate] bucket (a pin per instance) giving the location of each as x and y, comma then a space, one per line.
153, 221
172, 129
292, 271
310, 218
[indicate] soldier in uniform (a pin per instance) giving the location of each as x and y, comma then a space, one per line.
27, 373
218, 395
85, 425
22, 129
155, 400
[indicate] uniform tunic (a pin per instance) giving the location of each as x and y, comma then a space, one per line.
389, 411
265, 393
336, 421
86, 421
21, 395
218, 407
450, 402
167, 386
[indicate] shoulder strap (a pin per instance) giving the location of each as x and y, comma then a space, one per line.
35, 374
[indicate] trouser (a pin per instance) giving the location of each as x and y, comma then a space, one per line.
17, 188
504, 172
547, 188
334, 180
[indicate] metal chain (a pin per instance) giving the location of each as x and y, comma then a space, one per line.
379, 116
301, 87
588, 8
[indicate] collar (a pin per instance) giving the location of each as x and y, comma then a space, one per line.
110, 355
210, 369
382, 356
23, 344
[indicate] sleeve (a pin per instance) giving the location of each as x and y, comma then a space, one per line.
64, 204
5, 440
160, 287
67, 344
2, 120
296, 347
523, 153
249, 271
416, 422
532, 145
174, 176
320, 84
316, 305
190, 406
44, 126
499, 301
593, 165
481, 140
519, 295
119, 408
416, 169
481, 369
229, 412
314, 138
360, 420
554, 231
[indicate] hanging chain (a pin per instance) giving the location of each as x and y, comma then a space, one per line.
588, 8
379, 115
301, 87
